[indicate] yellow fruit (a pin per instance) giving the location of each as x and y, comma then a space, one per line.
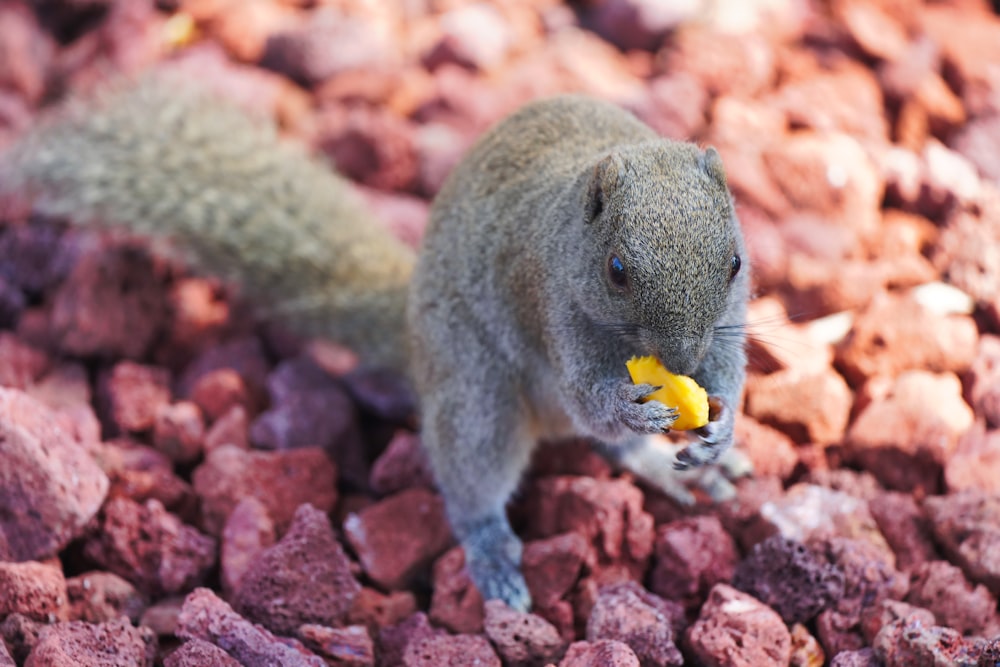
677, 391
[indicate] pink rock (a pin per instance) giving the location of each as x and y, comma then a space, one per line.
198, 653
179, 431
608, 513
231, 428
303, 578
98, 597
602, 653
552, 566
968, 40
811, 407
645, 623
115, 644
135, 393
37, 256
771, 452
403, 464
280, 480
112, 304
691, 556
49, 487
206, 617
967, 526
521, 639
20, 634
151, 548
906, 439
351, 646
909, 642
979, 142
457, 650
376, 610
248, 531
399, 536
372, 146
405, 216
161, 617
33, 589
941, 588
455, 603
20, 363
676, 106
735, 629
905, 527
975, 463
895, 334
742, 68
635, 24
218, 392
792, 579
26, 51
477, 36
142, 473
5, 658
876, 617
965, 250
393, 640
245, 356
985, 380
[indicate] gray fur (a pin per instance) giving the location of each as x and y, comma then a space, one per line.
160, 158
517, 332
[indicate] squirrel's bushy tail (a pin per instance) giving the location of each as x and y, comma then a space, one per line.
161, 159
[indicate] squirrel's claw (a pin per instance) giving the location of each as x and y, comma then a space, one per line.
643, 417
714, 438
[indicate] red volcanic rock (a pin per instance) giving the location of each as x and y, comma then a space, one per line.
376, 610
456, 603
198, 653
98, 597
909, 642
975, 464
521, 640
134, 394
941, 588
34, 590
876, 617
304, 578
375, 147
179, 431
907, 438
280, 480
905, 526
984, 380
348, 647
736, 629
808, 407
150, 547
967, 526
398, 537
113, 304
476, 36
245, 356
142, 473
115, 644
771, 452
217, 392
20, 363
602, 653
206, 617
645, 623
49, 486
552, 566
403, 464
394, 639
466, 650
231, 428
248, 531
691, 556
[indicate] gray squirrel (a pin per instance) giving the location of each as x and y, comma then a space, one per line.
570, 238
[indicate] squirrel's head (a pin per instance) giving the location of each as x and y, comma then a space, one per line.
665, 252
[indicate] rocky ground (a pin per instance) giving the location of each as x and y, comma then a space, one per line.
183, 484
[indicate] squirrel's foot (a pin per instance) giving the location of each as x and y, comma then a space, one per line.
493, 559
714, 438
643, 417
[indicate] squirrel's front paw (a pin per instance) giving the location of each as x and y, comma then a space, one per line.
714, 438
643, 417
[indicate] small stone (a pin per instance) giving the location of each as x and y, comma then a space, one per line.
376, 610
21, 364
941, 588
134, 394
521, 639
114, 644
403, 464
736, 629
198, 653
910, 642
552, 566
876, 617
34, 590
456, 603
50, 488
248, 531
691, 556
809, 408
232, 428
394, 639
789, 577
304, 578
456, 650
218, 392
179, 431
985, 380
967, 526
399, 536
905, 527
864, 657
161, 616
476, 36
282, 481
206, 617
637, 618
806, 650
98, 597
150, 547
602, 653
348, 647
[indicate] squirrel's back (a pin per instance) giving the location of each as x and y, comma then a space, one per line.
161, 158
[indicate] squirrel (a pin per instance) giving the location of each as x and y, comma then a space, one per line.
569, 238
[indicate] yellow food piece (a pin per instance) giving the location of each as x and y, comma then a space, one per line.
678, 391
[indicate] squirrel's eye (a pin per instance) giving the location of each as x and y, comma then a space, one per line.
617, 273
734, 266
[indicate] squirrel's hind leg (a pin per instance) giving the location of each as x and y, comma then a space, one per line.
479, 445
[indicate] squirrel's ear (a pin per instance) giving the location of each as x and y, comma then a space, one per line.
711, 162
602, 181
